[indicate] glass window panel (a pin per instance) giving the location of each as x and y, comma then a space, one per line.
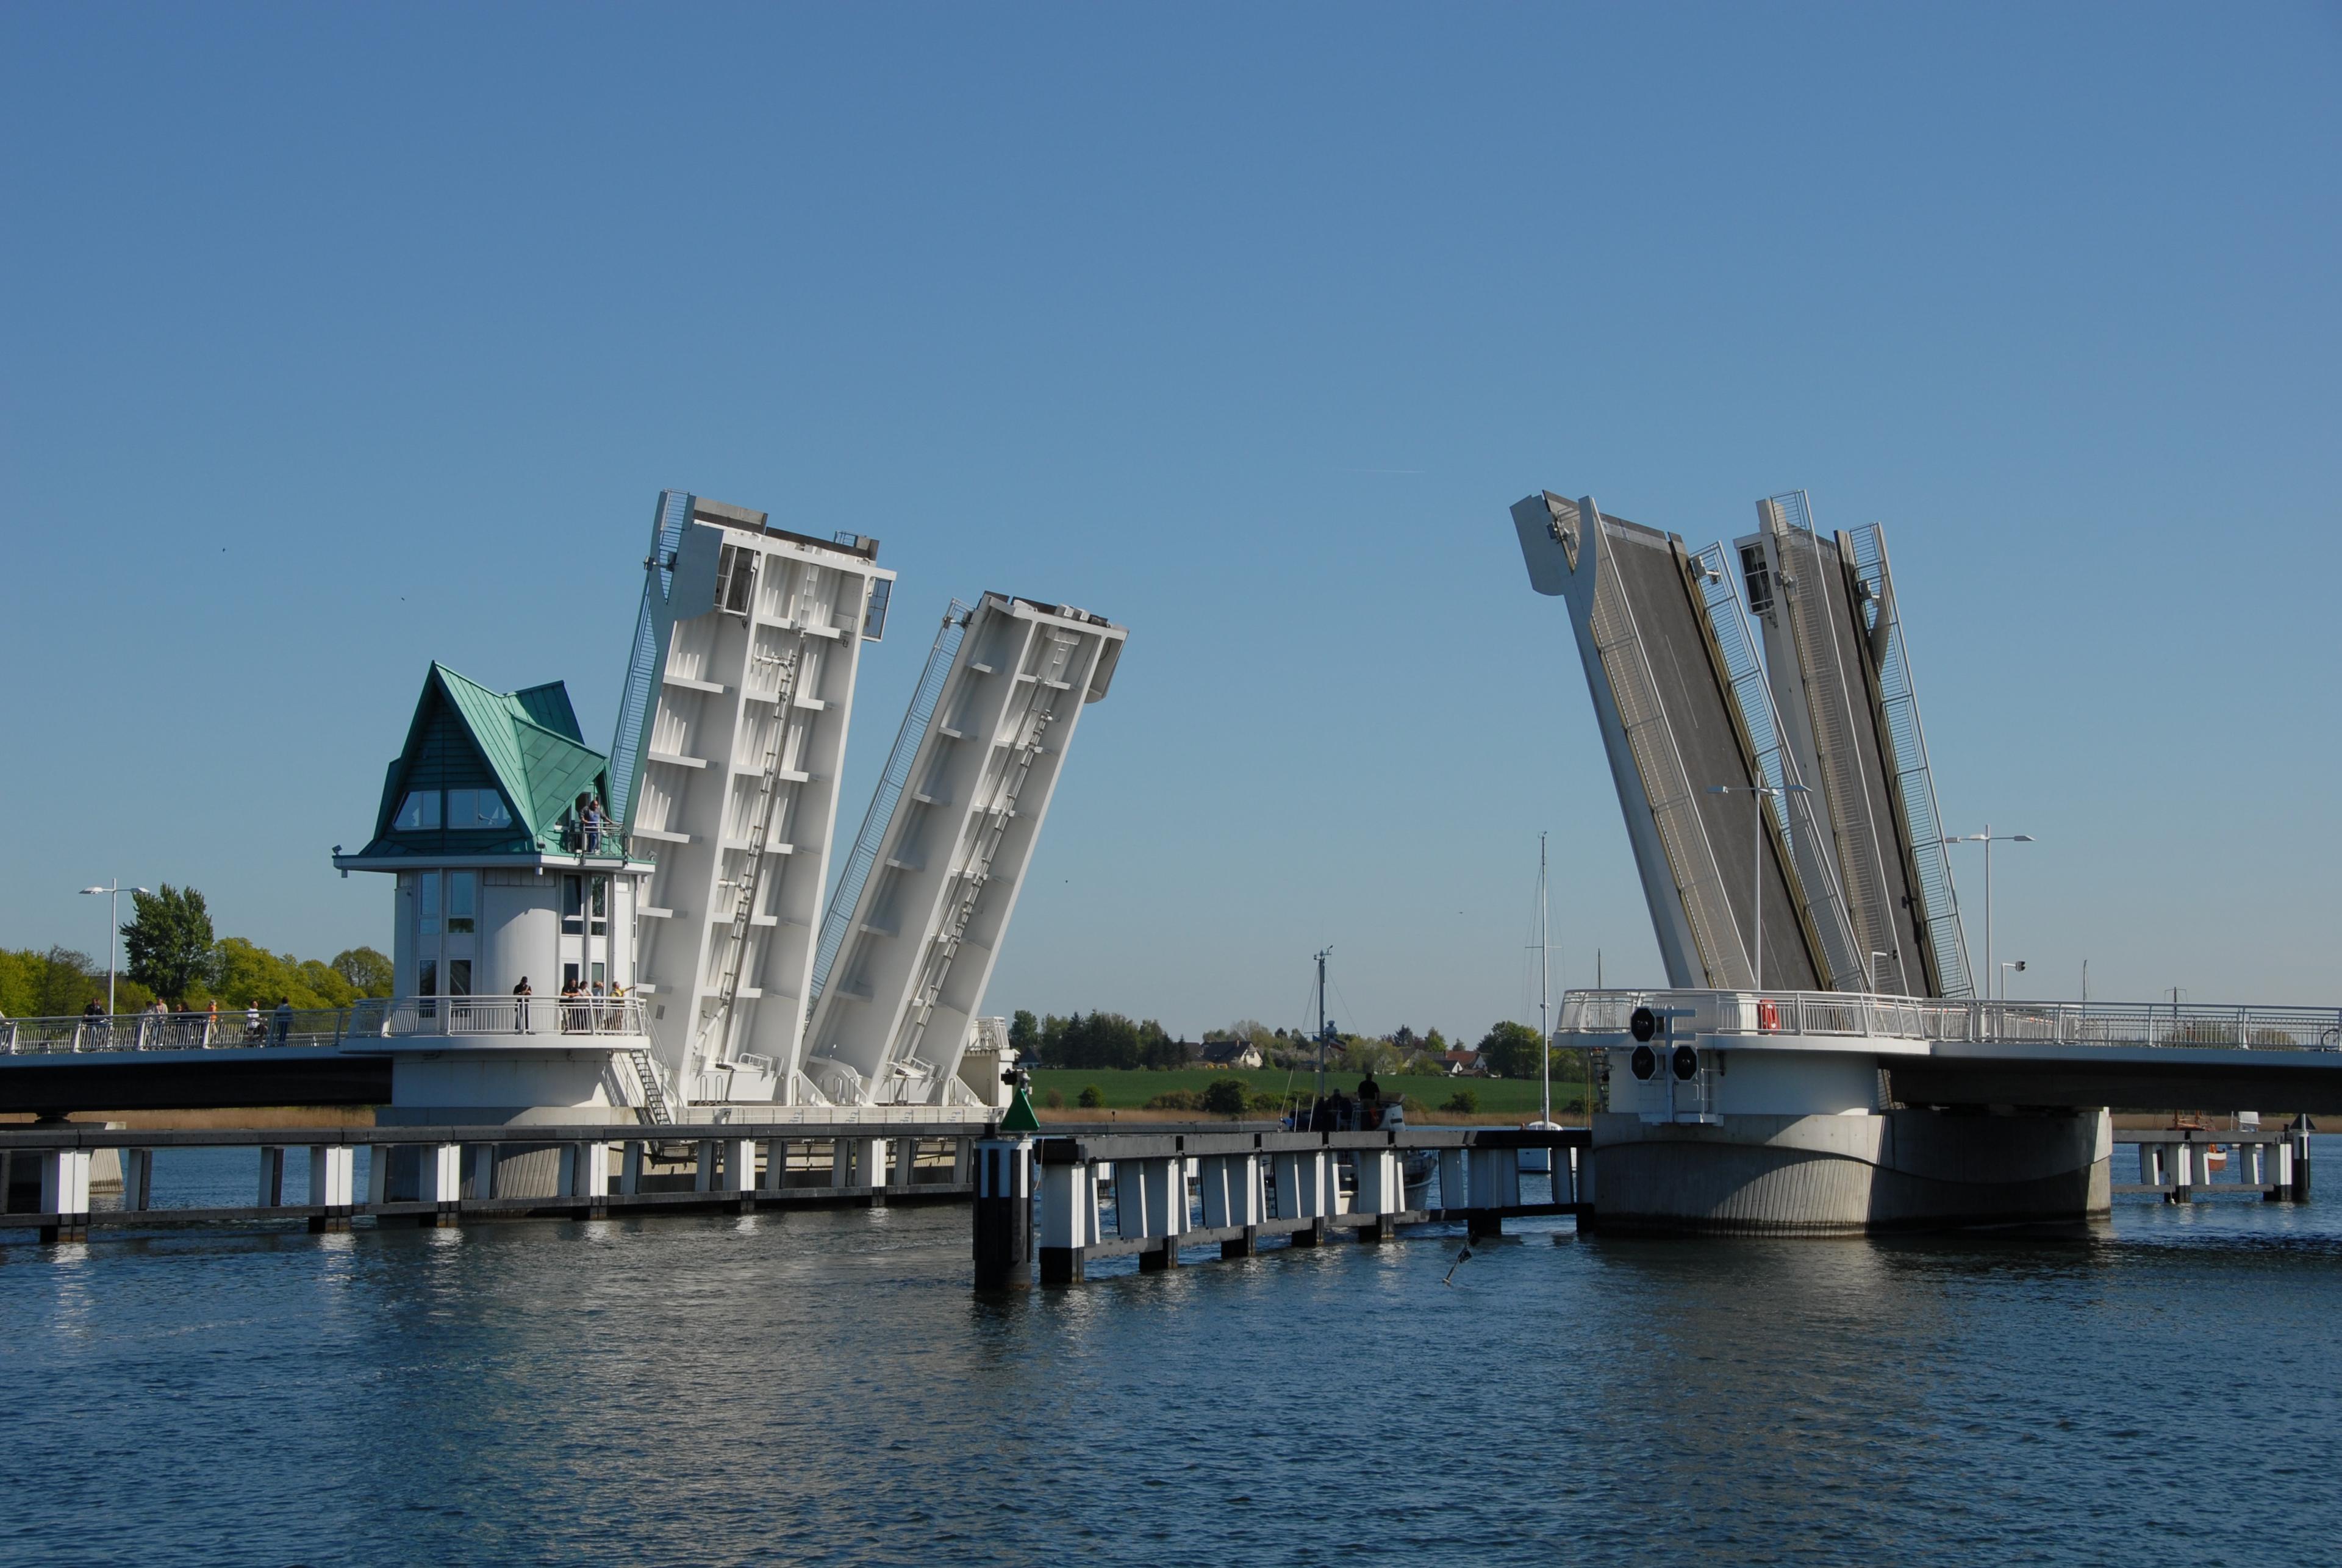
573, 903
491, 811
418, 811
459, 978
427, 978
427, 904
462, 899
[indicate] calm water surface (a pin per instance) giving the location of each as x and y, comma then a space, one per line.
824, 1387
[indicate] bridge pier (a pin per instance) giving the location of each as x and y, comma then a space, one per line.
1381, 1192
137, 1178
1303, 1177
1003, 1211
585, 1177
1229, 1185
332, 1183
1069, 1220
65, 1193
442, 1184
774, 1176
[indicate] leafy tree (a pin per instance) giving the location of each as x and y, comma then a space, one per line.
1225, 1097
1091, 1098
168, 943
1436, 1044
251, 973
1055, 1099
367, 972
51, 985
1023, 1034
1464, 1102
1510, 1050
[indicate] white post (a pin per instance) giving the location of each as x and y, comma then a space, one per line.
586, 1171
870, 1162
1382, 1184
1069, 1206
739, 1164
443, 1174
333, 1174
1230, 1184
1301, 1184
64, 1186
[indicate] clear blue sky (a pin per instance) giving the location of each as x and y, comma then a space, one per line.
344, 338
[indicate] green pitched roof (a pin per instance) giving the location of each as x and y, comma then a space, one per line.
529, 740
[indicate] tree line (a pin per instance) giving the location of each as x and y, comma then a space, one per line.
170, 951
1104, 1039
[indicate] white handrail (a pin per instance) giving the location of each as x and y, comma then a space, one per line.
2252, 1027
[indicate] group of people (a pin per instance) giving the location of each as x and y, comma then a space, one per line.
583, 1007
591, 821
158, 1024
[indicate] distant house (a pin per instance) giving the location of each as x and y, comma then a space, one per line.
1465, 1064
1231, 1053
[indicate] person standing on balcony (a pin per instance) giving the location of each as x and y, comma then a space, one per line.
593, 824
521, 993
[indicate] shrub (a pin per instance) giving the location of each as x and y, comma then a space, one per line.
1055, 1099
1262, 1100
1091, 1097
1464, 1102
1224, 1097
1176, 1100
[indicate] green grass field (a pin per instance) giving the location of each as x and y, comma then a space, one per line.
1130, 1091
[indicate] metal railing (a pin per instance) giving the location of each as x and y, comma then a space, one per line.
401, 1016
392, 1017
1830, 1013
78, 1033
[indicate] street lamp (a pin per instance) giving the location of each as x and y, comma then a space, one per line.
1756, 793
2005, 965
1989, 838
114, 893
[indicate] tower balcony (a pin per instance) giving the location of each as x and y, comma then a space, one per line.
497, 1022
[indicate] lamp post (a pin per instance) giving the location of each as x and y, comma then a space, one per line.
1989, 838
2007, 964
1756, 793
114, 893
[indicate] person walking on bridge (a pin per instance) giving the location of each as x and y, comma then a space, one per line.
283, 1019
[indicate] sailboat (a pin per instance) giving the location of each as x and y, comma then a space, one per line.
1540, 1161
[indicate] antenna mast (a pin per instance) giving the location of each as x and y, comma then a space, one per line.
1545, 990
1321, 1026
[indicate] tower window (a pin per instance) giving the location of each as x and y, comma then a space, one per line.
418, 811
477, 808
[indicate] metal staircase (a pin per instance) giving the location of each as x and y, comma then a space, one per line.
655, 1106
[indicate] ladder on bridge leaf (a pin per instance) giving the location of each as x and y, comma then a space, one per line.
654, 1092
715, 1033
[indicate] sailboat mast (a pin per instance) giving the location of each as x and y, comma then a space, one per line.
1321, 1024
1545, 992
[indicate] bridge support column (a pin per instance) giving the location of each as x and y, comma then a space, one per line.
585, 1177
64, 1194
2183, 1186
378, 1174
332, 1185
630, 1168
870, 1167
1495, 1184
272, 1177
2281, 1177
2150, 1166
1455, 1185
2301, 1162
962, 1158
775, 1173
906, 1159
1229, 1185
1150, 1203
706, 1173
1004, 1213
484, 1170
1069, 1220
137, 1179
442, 1182
1381, 1192
1302, 1178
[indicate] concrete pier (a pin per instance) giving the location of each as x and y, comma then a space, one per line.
1251, 1186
